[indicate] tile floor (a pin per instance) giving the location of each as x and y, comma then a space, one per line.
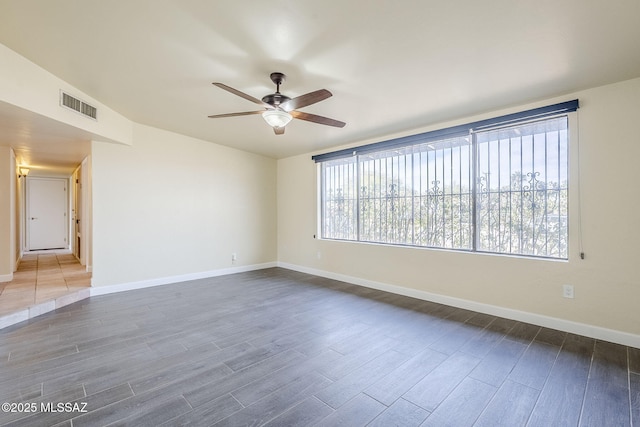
45, 280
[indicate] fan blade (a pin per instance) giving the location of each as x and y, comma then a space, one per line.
245, 113
317, 119
243, 95
304, 100
279, 131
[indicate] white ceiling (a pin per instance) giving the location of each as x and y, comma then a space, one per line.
391, 65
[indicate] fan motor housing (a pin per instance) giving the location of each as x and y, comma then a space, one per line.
275, 99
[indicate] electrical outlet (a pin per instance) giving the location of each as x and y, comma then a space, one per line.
319, 255
234, 257
567, 291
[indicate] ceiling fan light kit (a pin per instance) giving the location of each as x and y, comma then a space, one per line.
277, 118
280, 109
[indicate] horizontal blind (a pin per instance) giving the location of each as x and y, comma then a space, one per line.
451, 132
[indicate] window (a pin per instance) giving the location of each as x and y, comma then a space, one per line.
522, 189
498, 186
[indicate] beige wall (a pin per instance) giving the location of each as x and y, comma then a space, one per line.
607, 283
7, 191
18, 189
170, 205
87, 206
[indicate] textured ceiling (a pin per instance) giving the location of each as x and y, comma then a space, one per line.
392, 66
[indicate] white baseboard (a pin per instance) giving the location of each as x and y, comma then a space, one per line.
6, 277
591, 331
122, 287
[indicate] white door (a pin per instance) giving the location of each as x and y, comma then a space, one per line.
46, 213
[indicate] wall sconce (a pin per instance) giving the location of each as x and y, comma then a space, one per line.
23, 172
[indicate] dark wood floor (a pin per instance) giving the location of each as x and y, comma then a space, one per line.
280, 348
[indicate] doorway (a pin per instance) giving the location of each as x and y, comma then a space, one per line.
46, 220
77, 214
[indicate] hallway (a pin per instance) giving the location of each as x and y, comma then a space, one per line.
45, 280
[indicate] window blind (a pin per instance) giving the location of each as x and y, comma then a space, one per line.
451, 132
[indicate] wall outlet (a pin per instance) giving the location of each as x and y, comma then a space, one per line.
234, 257
567, 291
319, 255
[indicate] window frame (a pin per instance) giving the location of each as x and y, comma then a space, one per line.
472, 130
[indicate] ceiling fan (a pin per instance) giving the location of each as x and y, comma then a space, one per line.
280, 109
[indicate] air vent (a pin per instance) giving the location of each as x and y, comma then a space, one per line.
89, 110
77, 105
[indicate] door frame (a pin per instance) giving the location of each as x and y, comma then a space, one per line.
80, 205
28, 208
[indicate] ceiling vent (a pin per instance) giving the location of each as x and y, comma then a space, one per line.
78, 105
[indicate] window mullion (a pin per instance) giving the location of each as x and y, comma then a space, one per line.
474, 190
358, 213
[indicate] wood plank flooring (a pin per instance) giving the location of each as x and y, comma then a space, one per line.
280, 348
